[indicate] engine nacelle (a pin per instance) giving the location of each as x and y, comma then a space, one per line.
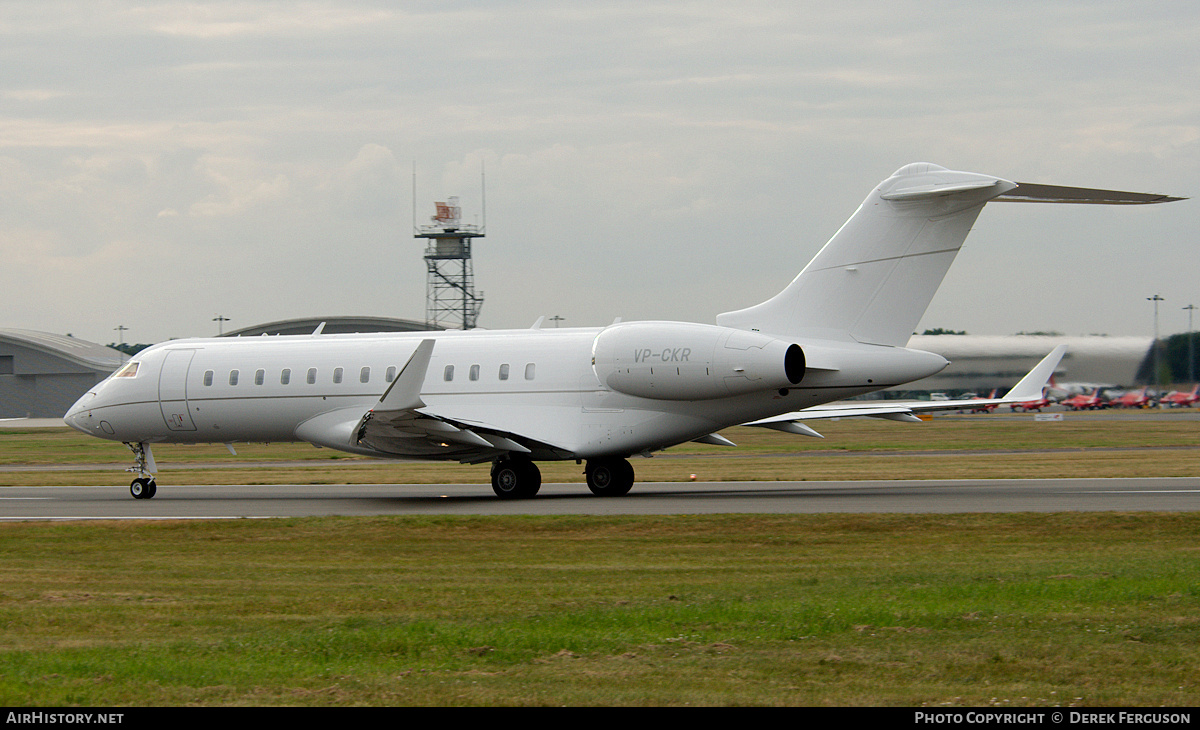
681, 361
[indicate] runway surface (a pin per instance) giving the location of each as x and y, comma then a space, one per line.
652, 498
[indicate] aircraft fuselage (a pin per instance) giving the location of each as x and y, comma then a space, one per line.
571, 393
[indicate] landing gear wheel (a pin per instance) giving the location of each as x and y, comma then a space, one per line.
143, 488
516, 479
609, 477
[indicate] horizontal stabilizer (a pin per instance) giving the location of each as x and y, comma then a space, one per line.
1034, 193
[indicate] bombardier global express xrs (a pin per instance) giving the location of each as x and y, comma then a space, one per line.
595, 395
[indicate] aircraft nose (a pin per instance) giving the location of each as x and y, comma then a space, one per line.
75, 415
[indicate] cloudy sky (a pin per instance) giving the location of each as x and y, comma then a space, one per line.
165, 162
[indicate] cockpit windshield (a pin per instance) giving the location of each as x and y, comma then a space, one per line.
128, 370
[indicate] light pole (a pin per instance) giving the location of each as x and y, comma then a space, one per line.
120, 330
1191, 344
556, 319
221, 320
1156, 299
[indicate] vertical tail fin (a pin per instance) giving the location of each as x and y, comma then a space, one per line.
874, 279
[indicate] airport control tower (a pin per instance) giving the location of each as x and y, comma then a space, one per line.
451, 301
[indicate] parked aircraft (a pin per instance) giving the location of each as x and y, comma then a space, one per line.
1084, 402
1037, 404
598, 395
1066, 390
1180, 399
985, 407
1132, 399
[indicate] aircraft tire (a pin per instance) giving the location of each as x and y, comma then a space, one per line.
143, 488
609, 477
516, 479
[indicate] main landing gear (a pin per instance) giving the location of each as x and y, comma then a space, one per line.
144, 486
519, 478
611, 477
515, 478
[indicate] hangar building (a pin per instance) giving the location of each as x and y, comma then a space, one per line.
333, 326
43, 374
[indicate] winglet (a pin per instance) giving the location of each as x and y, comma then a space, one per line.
404, 394
1030, 386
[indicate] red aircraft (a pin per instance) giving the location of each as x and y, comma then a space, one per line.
1178, 399
1132, 400
986, 408
1033, 405
1083, 402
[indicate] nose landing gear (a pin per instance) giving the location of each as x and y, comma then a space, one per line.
144, 486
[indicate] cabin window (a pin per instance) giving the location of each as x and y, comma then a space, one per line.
529, 371
285, 377
390, 375
208, 376
312, 376
337, 375
260, 377
448, 373
128, 370
233, 377
504, 371
474, 374
364, 375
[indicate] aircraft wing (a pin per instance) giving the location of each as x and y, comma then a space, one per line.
400, 425
1029, 388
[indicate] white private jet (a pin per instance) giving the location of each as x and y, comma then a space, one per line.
598, 395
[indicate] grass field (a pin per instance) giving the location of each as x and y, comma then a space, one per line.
1002, 610
1080, 609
